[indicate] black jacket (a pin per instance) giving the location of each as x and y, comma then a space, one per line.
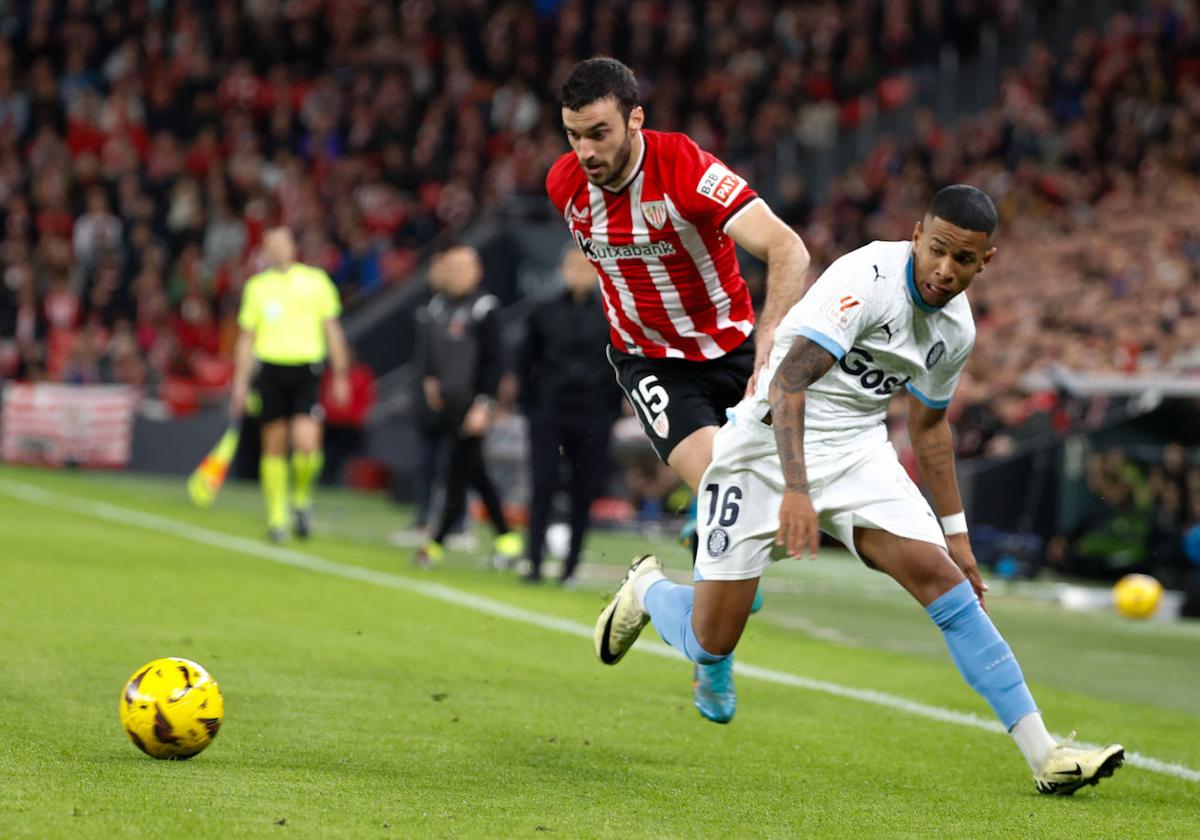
563, 364
458, 342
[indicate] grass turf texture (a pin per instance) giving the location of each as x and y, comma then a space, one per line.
358, 710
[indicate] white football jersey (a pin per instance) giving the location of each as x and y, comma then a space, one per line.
866, 311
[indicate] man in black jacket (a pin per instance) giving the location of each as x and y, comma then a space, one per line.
460, 362
571, 399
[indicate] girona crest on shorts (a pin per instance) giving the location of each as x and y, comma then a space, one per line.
655, 213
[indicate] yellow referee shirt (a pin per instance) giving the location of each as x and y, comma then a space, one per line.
287, 311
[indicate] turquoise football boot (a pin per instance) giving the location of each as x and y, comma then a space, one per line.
713, 692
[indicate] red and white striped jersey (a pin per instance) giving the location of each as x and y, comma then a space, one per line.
668, 273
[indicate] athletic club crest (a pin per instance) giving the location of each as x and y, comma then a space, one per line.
661, 426
655, 213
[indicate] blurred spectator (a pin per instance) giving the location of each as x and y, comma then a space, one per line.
460, 363
1135, 519
1173, 506
345, 424
96, 232
359, 270
571, 401
1113, 535
434, 445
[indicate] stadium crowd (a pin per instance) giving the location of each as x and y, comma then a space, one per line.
1134, 516
143, 149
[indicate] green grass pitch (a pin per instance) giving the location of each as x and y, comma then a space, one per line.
367, 699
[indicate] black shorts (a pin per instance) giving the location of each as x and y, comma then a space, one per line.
288, 390
674, 397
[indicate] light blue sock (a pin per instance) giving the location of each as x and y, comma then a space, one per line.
983, 657
670, 608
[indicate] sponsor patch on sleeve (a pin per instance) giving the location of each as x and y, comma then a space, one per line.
719, 184
843, 310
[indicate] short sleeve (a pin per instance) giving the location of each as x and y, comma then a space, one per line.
709, 192
935, 387
838, 308
248, 312
330, 301
557, 181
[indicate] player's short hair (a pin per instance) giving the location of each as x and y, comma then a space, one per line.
599, 78
966, 207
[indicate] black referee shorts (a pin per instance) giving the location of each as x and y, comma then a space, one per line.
287, 391
674, 397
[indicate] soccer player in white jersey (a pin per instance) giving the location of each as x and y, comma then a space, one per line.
808, 451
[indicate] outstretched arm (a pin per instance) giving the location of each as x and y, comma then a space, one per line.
804, 364
764, 235
933, 444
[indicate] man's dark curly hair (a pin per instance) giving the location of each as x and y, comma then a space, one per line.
600, 78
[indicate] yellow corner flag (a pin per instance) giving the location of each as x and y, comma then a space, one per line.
205, 481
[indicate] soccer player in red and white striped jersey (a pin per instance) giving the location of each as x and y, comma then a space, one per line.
658, 217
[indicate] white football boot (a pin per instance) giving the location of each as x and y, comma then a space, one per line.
1067, 768
622, 620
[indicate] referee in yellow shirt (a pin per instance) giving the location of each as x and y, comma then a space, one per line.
289, 325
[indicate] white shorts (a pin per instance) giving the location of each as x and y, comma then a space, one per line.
740, 494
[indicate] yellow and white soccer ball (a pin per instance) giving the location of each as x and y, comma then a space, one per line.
1137, 596
171, 708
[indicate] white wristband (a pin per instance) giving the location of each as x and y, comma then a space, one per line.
955, 523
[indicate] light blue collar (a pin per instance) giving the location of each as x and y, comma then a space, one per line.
913, 293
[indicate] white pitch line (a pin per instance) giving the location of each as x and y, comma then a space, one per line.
300, 560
